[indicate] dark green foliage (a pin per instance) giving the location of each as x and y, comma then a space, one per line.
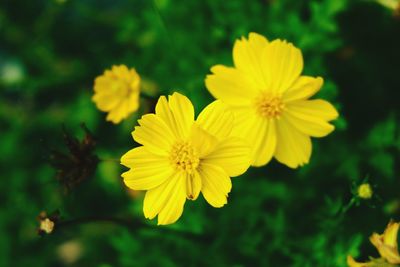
50, 53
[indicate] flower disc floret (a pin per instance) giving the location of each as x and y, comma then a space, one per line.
269, 106
184, 157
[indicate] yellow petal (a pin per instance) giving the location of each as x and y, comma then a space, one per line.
166, 200
311, 119
183, 112
258, 132
314, 108
265, 143
164, 112
386, 244
147, 170
231, 85
258, 41
173, 208
391, 254
293, 147
105, 101
390, 234
216, 119
203, 142
352, 263
133, 101
231, 154
193, 185
216, 184
119, 112
154, 134
121, 72
247, 58
282, 64
102, 84
303, 88
177, 113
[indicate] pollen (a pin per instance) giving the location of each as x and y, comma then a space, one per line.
184, 157
269, 106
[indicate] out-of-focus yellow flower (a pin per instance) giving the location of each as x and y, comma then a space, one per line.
393, 5
365, 191
181, 157
386, 244
117, 92
269, 97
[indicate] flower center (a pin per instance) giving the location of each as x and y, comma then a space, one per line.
269, 106
184, 157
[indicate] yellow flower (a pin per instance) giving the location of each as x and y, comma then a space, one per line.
386, 244
365, 191
181, 157
117, 92
269, 97
390, 4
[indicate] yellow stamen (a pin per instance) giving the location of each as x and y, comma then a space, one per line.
184, 157
269, 106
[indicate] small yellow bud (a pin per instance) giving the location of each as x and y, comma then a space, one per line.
46, 226
365, 191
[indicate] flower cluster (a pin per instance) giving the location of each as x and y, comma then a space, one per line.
262, 111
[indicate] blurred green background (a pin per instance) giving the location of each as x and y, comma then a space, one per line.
50, 53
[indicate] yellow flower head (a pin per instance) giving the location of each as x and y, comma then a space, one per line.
386, 244
117, 92
269, 97
181, 157
365, 191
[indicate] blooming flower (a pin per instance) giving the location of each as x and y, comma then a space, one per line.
386, 244
181, 157
117, 92
269, 98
